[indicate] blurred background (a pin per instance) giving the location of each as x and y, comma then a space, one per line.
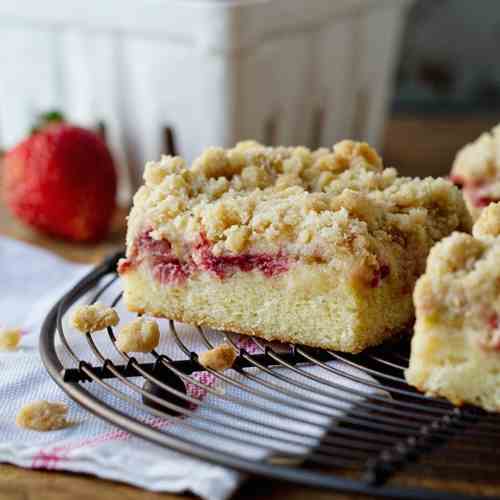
447, 83
448, 60
417, 79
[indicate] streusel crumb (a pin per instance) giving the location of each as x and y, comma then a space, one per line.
461, 282
219, 358
462, 275
141, 335
10, 338
479, 160
43, 416
477, 170
488, 223
306, 203
95, 317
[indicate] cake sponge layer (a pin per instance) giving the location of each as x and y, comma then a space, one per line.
300, 306
449, 364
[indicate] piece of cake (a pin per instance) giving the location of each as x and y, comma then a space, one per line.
140, 335
219, 358
93, 318
43, 416
456, 346
320, 248
476, 170
10, 338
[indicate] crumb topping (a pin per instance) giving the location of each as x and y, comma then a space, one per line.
10, 338
219, 358
461, 286
334, 205
488, 223
95, 317
479, 160
141, 335
477, 170
43, 416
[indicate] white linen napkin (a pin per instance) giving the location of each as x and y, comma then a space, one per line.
32, 280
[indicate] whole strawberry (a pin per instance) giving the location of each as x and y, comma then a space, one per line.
61, 180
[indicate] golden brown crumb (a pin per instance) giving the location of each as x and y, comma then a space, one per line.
219, 358
477, 169
254, 198
478, 160
10, 338
43, 416
141, 335
462, 275
460, 286
95, 317
488, 223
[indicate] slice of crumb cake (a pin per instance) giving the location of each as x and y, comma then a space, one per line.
456, 347
476, 170
320, 248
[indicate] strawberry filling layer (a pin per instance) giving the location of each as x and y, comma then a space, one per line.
490, 341
493, 321
222, 265
382, 272
166, 267
169, 269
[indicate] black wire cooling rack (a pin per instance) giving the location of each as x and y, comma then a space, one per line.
384, 441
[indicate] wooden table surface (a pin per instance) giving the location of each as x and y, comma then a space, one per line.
415, 145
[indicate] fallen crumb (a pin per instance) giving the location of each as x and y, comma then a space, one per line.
94, 318
10, 338
141, 335
219, 358
43, 416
